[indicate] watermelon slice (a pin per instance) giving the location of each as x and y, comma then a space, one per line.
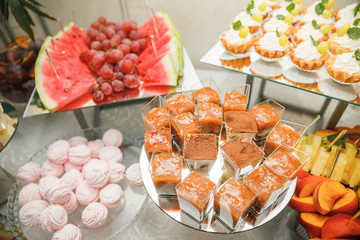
74, 78
162, 73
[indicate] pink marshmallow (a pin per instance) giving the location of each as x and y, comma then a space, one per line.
77, 140
112, 137
79, 154
30, 192
51, 169
111, 154
29, 173
117, 172
95, 147
58, 152
72, 178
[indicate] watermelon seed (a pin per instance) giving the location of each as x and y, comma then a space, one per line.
68, 78
66, 90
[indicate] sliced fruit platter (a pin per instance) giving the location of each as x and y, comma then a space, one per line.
314, 47
109, 62
327, 194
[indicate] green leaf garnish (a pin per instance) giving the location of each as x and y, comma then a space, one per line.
280, 17
357, 55
277, 33
324, 1
354, 33
289, 0
315, 25
290, 7
356, 9
313, 41
319, 8
340, 142
237, 25
250, 6
356, 22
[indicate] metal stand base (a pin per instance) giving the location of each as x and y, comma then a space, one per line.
80, 118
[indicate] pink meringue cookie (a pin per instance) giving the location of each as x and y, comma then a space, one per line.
46, 183
94, 215
72, 204
30, 192
58, 152
68, 166
59, 193
117, 172
72, 178
29, 173
51, 169
112, 137
111, 154
68, 232
30, 213
133, 175
111, 195
77, 140
53, 218
79, 154
86, 194
96, 173
95, 147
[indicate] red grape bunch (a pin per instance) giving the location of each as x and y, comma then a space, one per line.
113, 54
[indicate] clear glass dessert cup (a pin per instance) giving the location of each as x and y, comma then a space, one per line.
243, 89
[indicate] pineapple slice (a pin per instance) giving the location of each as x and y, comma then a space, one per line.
309, 150
330, 163
339, 167
354, 173
301, 142
350, 153
320, 161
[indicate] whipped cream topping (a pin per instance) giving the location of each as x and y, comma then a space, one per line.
271, 3
232, 37
69, 232
347, 42
111, 195
310, 16
270, 42
246, 19
274, 23
284, 12
29, 193
343, 21
346, 62
256, 10
94, 215
30, 213
307, 51
53, 218
96, 173
348, 11
306, 30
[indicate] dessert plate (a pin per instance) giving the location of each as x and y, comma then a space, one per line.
170, 206
10, 110
119, 218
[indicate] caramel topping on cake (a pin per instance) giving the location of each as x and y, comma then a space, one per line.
240, 122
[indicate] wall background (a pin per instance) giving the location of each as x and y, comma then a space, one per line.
200, 22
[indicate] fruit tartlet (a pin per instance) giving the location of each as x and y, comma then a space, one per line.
309, 55
345, 40
319, 33
279, 22
274, 4
272, 46
238, 39
259, 7
252, 21
294, 8
347, 14
321, 12
345, 67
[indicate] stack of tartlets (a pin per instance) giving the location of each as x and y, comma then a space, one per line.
212, 126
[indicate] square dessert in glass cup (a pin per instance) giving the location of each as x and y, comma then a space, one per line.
210, 116
269, 184
232, 200
200, 151
155, 115
284, 133
241, 156
157, 140
206, 91
182, 124
239, 124
267, 114
178, 103
195, 195
165, 169
236, 98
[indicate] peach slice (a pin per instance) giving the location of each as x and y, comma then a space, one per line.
348, 204
326, 194
302, 174
306, 186
312, 222
339, 226
305, 204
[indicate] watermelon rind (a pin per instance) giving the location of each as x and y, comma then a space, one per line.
170, 23
163, 73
